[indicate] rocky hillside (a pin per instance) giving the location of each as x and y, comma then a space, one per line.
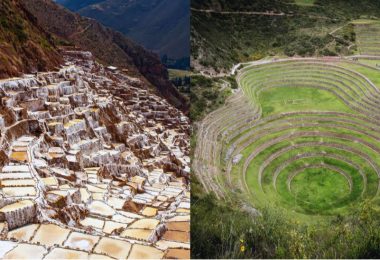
24, 47
162, 26
108, 46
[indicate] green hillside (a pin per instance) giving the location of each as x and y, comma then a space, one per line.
302, 30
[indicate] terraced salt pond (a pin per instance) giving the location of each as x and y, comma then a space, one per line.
91, 167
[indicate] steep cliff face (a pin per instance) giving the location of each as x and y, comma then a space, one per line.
108, 46
24, 46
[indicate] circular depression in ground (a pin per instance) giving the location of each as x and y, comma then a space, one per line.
315, 148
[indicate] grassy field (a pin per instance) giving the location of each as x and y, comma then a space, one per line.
298, 99
319, 187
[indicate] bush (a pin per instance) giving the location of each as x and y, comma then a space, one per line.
204, 82
327, 52
210, 95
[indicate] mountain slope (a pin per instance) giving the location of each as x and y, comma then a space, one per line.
162, 26
281, 27
24, 46
108, 46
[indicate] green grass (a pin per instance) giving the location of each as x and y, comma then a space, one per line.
373, 63
371, 73
305, 2
319, 187
299, 99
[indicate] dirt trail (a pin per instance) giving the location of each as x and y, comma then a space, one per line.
267, 13
240, 12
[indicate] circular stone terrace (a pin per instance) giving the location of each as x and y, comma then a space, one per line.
302, 134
